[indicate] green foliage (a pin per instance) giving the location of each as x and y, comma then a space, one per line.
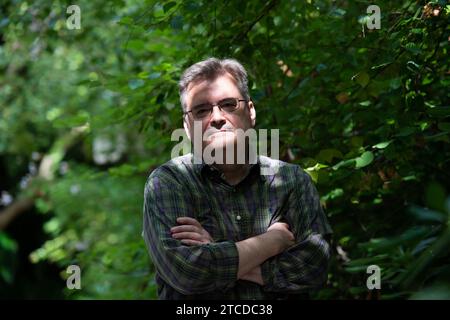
365, 113
96, 225
8, 249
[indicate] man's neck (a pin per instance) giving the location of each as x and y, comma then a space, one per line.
233, 173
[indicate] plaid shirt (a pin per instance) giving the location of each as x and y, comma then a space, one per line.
231, 214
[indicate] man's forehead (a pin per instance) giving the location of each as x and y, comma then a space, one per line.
207, 88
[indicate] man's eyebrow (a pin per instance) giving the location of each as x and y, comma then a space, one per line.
209, 103
198, 105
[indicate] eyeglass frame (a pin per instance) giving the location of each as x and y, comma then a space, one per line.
217, 104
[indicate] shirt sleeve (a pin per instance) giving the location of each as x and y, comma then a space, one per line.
302, 267
188, 269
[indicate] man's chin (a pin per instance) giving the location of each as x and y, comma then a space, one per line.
218, 146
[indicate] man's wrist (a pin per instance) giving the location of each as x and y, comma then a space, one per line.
279, 241
254, 275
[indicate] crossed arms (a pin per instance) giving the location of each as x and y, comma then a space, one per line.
252, 251
286, 258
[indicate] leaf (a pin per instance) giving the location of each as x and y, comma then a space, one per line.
422, 245
361, 78
137, 45
413, 67
386, 244
8, 249
395, 83
444, 126
364, 160
42, 206
327, 155
382, 145
416, 270
426, 215
154, 75
406, 131
177, 22
344, 163
435, 196
134, 84
357, 141
435, 292
381, 65
6, 243
413, 48
91, 83
317, 167
333, 194
126, 21
313, 174
365, 103
169, 6
439, 112
342, 97
72, 121
123, 170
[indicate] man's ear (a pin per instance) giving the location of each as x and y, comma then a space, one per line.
251, 108
187, 127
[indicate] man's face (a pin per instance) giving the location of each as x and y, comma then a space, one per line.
218, 128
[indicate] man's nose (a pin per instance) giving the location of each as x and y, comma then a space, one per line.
217, 118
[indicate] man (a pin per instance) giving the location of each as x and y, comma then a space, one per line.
223, 230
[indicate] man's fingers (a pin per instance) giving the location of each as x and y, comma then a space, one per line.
190, 230
185, 228
187, 235
292, 236
188, 220
279, 225
191, 242
284, 224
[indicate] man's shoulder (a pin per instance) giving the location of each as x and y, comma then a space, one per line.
282, 166
185, 161
176, 166
271, 162
289, 173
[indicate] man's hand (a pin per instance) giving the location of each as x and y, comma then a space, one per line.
190, 232
254, 275
255, 250
286, 236
280, 233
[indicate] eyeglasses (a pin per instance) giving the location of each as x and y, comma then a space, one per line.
204, 110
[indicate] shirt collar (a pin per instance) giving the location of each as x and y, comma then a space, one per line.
205, 169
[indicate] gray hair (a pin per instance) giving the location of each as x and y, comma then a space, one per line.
210, 69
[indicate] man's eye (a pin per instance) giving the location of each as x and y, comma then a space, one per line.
200, 111
228, 104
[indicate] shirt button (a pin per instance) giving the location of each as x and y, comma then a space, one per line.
238, 217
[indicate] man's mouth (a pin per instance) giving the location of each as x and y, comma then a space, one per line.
221, 131
211, 132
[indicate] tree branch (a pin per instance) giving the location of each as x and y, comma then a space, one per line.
269, 6
47, 169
